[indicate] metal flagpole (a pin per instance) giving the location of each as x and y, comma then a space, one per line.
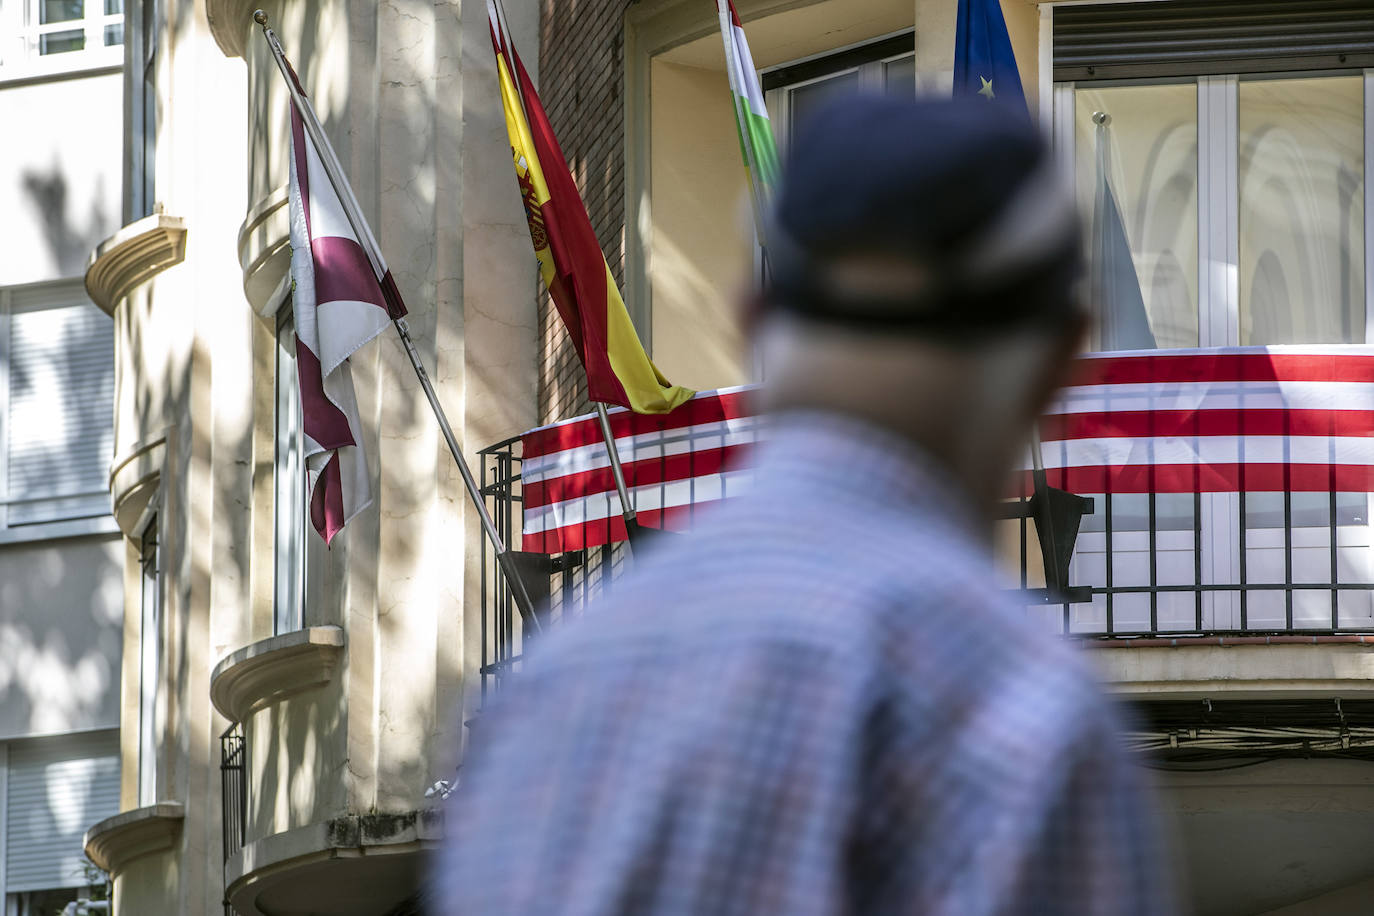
334, 170
627, 510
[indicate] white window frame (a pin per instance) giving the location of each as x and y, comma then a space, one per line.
21, 31
150, 626
1218, 216
36, 531
288, 490
142, 101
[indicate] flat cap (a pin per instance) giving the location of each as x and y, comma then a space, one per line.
962, 187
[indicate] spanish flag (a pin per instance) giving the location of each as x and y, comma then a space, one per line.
570, 259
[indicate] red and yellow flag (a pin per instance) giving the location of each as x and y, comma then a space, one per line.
570, 258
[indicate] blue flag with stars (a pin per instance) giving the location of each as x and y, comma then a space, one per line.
983, 61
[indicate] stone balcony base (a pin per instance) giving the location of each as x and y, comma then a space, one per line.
354, 865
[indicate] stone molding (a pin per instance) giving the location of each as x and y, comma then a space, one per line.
229, 23
135, 253
264, 245
134, 478
116, 841
356, 838
270, 670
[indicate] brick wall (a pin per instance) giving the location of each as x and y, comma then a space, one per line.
581, 82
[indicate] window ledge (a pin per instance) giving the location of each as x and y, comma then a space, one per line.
83, 65
116, 841
132, 255
54, 531
271, 670
1241, 668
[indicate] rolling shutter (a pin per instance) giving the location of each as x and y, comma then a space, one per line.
58, 787
1198, 37
60, 418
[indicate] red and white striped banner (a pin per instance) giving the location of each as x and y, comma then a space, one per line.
1216, 420
1258, 419
673, 463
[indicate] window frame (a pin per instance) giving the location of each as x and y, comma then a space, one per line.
148, 536
1218, 191
20, 57
43, 530
1219, 556
287, 615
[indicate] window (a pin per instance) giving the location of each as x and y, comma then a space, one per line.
143, 113
51, 790
289, 485
46, 35
794, 90
150, 660
56, 411
1234, 152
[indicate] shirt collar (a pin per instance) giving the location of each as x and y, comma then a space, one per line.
863, 461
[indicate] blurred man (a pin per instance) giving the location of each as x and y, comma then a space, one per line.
821, 702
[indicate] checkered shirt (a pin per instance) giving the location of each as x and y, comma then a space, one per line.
820, 702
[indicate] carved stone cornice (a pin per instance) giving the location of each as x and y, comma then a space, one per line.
132, 255
116, 841
264, 244
134, 478
229, 23
273, 669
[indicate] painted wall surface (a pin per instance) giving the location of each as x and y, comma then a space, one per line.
703, 229
60, 173
61, 616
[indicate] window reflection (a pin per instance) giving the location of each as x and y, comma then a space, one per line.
1301, 178
1152, 171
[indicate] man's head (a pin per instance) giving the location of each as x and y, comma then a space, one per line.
923, 263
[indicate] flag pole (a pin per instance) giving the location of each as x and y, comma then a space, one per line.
334, 170
627, 509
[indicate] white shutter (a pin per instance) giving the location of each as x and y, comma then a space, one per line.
60, 421
58, 787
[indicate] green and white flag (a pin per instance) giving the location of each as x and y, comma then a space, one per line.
751, 116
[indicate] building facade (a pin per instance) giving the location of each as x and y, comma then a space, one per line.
60, 555
287, 712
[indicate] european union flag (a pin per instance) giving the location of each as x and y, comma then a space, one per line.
983, 61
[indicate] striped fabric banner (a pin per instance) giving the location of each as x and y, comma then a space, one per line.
339, 306
673, 463
1298, 418
1256, 419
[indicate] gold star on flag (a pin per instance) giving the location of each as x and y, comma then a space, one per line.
987, 88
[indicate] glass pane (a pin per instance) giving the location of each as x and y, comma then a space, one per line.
290, 485
805, 99
114, 35
61, 42
1149, 168
114, 7
60, 10
1301, 177
899, 76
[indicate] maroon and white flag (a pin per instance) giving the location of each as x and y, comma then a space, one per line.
339, 306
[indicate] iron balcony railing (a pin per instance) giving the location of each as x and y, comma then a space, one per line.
233, 780
1140, 565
